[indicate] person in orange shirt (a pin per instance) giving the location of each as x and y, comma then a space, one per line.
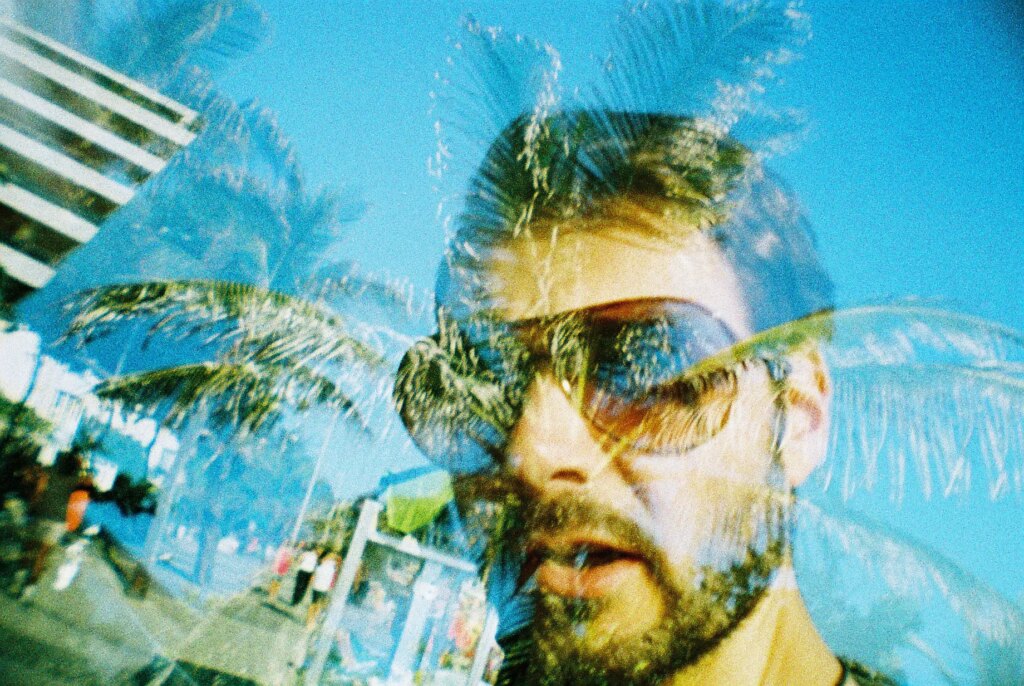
78, 502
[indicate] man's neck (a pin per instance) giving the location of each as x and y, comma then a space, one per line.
776, 645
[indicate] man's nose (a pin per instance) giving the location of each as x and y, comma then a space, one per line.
552, 446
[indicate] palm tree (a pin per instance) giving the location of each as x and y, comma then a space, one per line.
274, 349
152, 40
269, 356
231, 207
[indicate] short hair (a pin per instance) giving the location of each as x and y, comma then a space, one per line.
575, 164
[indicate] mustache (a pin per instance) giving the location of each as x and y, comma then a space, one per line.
567, 513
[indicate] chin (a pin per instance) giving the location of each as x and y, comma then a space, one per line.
627, 622
643, 633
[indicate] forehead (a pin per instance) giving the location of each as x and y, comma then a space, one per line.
584, 263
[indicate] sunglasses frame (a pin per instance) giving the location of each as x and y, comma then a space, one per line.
537, 336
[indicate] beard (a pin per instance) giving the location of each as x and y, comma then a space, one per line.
562, 648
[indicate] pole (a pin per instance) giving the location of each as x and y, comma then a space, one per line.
312, 480
188, 448
367, 524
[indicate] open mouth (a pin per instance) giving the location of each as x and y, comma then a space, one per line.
581, 568
589, 555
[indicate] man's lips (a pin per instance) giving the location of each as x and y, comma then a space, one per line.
580, 566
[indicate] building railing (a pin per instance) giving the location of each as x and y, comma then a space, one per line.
76, 140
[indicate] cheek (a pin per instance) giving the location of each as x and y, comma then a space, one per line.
706, 506
679, 514
701, 509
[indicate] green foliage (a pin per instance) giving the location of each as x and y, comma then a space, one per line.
27, 425
335, 528
23, 434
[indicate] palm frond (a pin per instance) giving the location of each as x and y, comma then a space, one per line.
198, 32
269, 141
698, 57
348, 280
910, 570
946, 423
304, 344
222, 195
238, 393
491, 78
242, 395
219, 310
928, 389
886, 334
202, 304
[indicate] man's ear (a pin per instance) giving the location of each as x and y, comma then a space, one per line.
808, 402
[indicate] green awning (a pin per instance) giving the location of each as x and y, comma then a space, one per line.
413, 504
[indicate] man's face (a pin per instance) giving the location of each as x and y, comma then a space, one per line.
644, 561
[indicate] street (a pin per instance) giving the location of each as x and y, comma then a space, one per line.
93, 633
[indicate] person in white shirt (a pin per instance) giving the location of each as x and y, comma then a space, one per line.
323, 582
307, 565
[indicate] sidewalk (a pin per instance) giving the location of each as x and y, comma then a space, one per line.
92, 633
249, 637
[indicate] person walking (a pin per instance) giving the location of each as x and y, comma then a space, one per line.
323, 582
282, 563
78, 502
307, 565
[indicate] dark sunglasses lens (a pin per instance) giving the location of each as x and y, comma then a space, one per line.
451, 406
460, 392
636, 389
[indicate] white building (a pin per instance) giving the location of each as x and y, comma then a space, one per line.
76, 140
64, 398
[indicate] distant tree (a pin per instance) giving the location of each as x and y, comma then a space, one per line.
25, 433
335, 527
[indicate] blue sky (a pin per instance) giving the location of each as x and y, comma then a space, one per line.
912, 172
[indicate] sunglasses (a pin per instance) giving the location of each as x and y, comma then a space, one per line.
625, 367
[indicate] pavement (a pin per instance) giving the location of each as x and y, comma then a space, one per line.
249, 637
93, 633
